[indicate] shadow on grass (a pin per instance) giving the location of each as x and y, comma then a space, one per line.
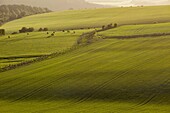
89, 86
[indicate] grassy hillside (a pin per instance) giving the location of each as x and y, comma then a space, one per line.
121, 76
21, 47
143, 29
92, 18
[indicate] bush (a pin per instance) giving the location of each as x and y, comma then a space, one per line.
109, 26
24, 30
115, 25
2, 31
41, 29
31, 29
103, 27
45, 29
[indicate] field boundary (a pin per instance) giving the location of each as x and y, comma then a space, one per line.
137, 36
83, 40
41, 58
22, 56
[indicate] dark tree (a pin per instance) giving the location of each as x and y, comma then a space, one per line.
31, 29
23, 30
2, 31
115, 25
41, 29
109, 26
103, 27
45, 29
52, 34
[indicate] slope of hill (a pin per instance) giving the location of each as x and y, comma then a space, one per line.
12, 12
144, 29
92, 18
22, 47
108, 76
124, 76
55, 4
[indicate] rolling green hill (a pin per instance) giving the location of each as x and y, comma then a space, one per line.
107, 76
23, 47
111, 75
92, 18
130, 30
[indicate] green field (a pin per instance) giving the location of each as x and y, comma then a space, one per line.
23, 47
92, 18
108, 76
143, 29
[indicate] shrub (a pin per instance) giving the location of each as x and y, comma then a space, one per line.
109, 25
103, 27
24, 30
2, 31
31, 29
115, 25
41, 29
45, 29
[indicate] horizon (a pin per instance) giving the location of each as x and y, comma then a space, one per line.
129, 2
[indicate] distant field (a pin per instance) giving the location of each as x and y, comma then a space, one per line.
111, 75
92, 18
23, 47
130, 30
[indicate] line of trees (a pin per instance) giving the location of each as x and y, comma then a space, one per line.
43, 29
12, 12
24, 30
